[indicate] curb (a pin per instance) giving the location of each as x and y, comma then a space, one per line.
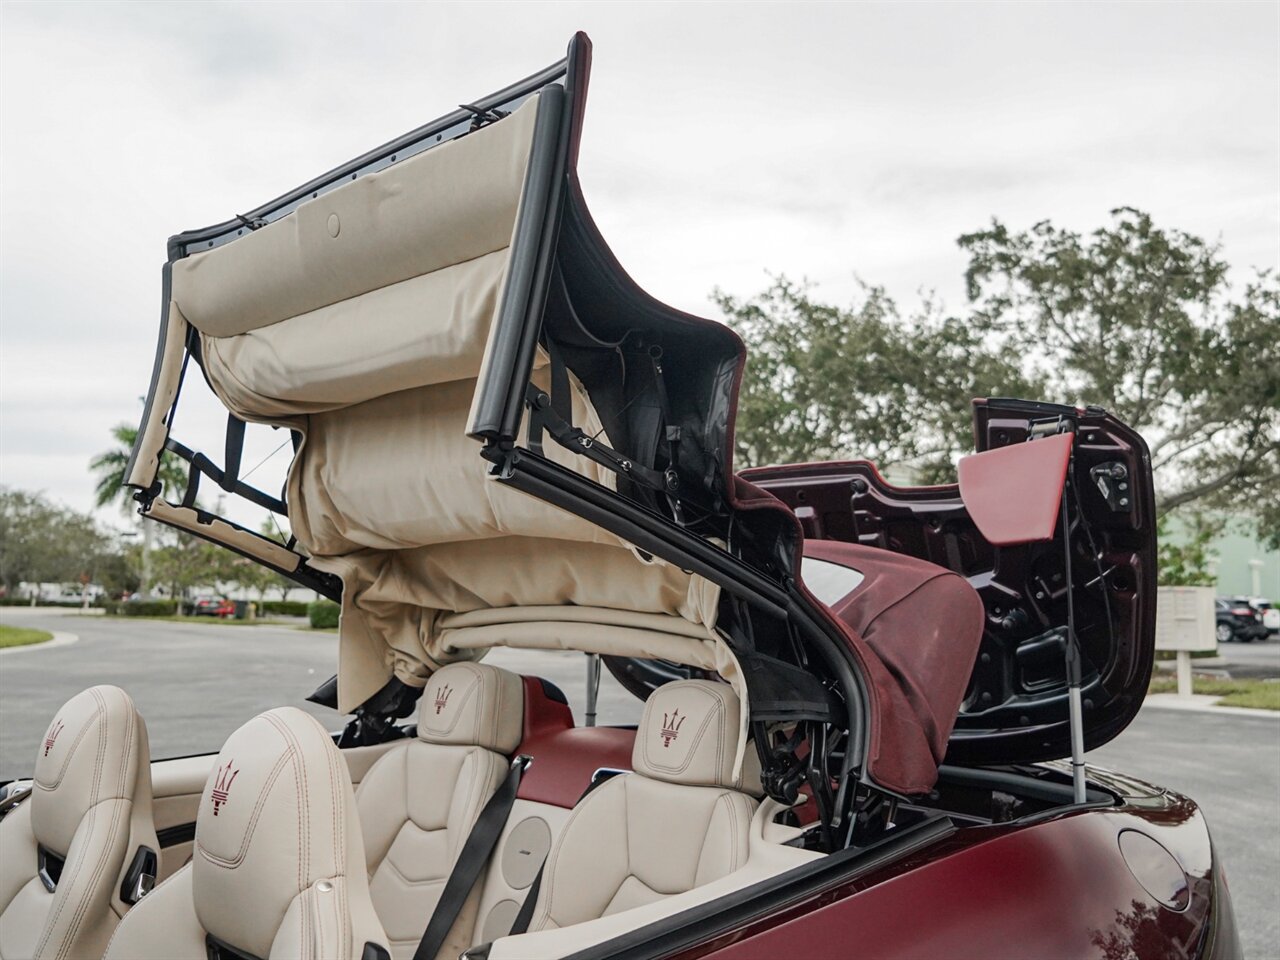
60, 639
1171, 701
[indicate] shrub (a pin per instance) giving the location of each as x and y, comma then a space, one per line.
142, 608
284, 608
323, 614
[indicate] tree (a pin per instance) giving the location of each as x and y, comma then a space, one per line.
110, 466
184, 561
41, 542
1141, 320
1144, 321
1188, 562
825, 382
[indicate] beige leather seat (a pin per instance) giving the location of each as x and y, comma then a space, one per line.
278, 866
65, 851
679, 821
418, 802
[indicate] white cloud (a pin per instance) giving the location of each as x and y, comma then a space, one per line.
722, 141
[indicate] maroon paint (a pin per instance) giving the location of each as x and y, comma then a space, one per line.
564, 756
923, 623
1013, 493
1059, 888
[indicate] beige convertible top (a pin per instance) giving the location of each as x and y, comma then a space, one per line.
361, 320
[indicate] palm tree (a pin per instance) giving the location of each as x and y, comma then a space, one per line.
110, 466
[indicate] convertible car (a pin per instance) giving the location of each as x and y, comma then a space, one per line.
865, 705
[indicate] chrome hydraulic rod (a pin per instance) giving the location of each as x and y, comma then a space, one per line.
1074, 706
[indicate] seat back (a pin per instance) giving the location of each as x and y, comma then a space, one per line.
66, 851
681, 820
419, 801
278, 865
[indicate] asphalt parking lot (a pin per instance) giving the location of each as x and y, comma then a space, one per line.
195, 683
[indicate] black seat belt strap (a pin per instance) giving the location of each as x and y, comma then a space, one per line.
475, 854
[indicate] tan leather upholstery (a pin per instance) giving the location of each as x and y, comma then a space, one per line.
90, 808
689, 734
278, 864
680, 821
418, 802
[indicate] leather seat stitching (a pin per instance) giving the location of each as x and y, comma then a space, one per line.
387, 861
253, 821
125, 919
66, 763
293, 750
671, 770
116, 821
72, 888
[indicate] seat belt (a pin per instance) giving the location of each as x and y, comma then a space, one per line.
475, 854
523, 918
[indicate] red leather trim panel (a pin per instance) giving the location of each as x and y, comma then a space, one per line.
543, 715
1013, 493
564, 760
565, 756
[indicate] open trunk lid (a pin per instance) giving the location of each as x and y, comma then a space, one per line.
1015, 707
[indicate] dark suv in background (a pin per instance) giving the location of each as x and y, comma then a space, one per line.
1238, 620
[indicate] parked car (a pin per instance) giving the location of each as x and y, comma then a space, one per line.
866, 705
1270, 614
1238, 620
212, 607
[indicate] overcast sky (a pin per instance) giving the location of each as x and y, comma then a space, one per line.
723, 142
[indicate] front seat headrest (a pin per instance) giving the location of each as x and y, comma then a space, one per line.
278, 846
71, 777
689, 734
473, 704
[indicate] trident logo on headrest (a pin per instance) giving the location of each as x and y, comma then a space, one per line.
221, 786
671, 726
53, 735
442, 697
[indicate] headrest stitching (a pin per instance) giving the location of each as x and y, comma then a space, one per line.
253, 820
293, 749
719, 707
66, 761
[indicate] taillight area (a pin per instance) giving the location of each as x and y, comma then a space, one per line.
1242, 612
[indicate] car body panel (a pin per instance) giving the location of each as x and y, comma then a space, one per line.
1057, 888
1015, 709
1245, 621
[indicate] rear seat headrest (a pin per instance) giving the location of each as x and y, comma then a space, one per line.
277, 819
689, 734
473, 704
71, 776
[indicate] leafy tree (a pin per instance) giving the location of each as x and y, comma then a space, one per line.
184, 562
1144, 321
1188, 562
1141, 320
41, 542
825, 382
117, 569
110, 466
252, 576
